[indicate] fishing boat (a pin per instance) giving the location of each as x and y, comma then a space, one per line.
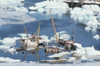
30, 44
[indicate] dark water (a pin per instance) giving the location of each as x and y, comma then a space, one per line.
65, 23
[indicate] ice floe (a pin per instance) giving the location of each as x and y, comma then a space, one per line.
88, 15
92, 25
8, 60
80, 54
87, 53
45, 6
81, 15
96, 37
14, 17
21, 9
8, 43
10, 3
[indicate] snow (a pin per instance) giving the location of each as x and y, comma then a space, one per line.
15, 17
98, 17
84, 53
94, 8
44, 39
81, 14
86, 15
96, 37
87, 52
7, 43
32, 8
9, 60
93, 24
23, 35
10, 3
21, 9
56, 7
80, 54
63, 35
58, 55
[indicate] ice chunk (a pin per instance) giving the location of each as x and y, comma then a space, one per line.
7, 44
96, 37
9, 60
61, 35
93, 25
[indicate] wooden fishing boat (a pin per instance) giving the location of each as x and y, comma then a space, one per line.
68, 44
30, 45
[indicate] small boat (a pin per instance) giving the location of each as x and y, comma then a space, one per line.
68, 44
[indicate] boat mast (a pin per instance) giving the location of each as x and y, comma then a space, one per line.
37, 48
26, 31
54, 27
38, 34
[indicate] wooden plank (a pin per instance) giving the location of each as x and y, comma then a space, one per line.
54, 61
